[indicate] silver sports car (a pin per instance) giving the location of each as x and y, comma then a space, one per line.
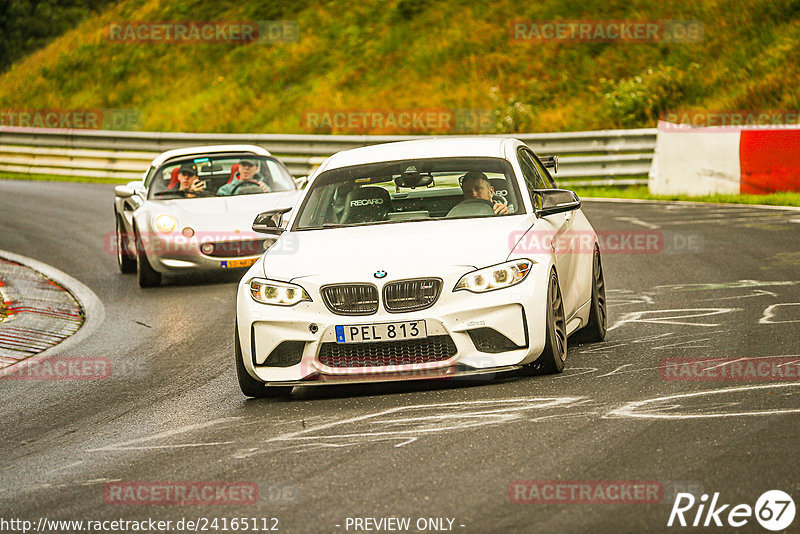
194, 208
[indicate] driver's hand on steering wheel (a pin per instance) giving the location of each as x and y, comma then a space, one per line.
264, 187
500, 208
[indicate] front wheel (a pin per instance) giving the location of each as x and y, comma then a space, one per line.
249, 385
555, 346
148, 277
127, 263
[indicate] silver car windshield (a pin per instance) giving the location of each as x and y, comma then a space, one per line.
229, 175
410, 190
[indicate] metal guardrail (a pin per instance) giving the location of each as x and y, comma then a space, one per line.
601, 156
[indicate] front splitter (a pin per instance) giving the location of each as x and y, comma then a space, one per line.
432, 374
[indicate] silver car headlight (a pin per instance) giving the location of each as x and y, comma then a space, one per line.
165, 224
277, 293
495, 277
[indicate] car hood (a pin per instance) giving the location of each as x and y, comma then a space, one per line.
358, 252
222, 213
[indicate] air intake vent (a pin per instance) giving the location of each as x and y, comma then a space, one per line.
411, 295
351, 299
387, 353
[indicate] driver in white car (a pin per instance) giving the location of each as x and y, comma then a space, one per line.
248, 171
477, 190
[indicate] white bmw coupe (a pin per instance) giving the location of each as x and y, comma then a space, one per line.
421, 259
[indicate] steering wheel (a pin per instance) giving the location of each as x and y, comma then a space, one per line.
499, 198
242, 182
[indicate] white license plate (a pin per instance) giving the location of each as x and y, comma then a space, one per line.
366, 333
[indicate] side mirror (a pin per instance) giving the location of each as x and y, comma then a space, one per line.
267, 222
123, 191
552, 201
301, 182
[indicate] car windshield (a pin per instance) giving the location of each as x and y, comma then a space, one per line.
228, 175
409, 190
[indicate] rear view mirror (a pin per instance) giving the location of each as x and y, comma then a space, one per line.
413, 180
552, 201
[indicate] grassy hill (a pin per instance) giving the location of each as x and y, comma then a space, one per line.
417, 54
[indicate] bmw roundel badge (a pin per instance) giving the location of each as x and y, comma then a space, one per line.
380, 274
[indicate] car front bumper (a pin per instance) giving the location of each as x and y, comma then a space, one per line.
517, 312
177, 253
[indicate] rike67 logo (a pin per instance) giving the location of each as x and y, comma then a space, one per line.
774, 510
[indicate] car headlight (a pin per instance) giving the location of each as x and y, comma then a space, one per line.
277, 293
166, 224
495, 277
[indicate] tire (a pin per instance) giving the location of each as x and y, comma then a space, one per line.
551, 361
595, 329
148, 277
249, 385
126, 262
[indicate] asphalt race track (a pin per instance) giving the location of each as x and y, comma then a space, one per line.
722, 284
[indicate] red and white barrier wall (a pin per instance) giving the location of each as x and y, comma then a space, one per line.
727, 160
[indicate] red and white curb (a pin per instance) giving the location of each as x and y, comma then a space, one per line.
45, 308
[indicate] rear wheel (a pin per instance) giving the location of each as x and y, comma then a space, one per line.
595, 329
249, 385
148, 277
126, 262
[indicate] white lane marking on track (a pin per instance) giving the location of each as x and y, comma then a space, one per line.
723, 364
728, 220
639, 222
583, 371
629, 409
769, 314
493, 412
65, 467
643, 369
563, 416
688, 344
621, 367
649, 316
755, 293
725, 285
131, 445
